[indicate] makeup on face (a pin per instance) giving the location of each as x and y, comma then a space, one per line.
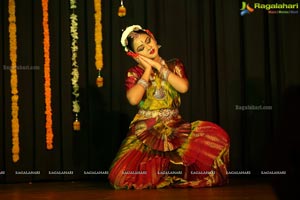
143, 43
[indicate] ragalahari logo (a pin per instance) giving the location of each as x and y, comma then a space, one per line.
246, 9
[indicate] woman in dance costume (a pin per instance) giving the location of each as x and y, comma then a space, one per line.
161, 148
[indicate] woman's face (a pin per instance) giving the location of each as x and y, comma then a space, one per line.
145, 46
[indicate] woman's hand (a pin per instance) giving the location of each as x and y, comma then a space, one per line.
144, 62
135, 94
149, 62
179, 83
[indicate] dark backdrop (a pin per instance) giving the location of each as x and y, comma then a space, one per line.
231, 61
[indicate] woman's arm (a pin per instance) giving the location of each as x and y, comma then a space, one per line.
181, 84
136, 93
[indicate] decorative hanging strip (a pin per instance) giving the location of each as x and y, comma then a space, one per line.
47, 77
75, 67
12, 28
98, 42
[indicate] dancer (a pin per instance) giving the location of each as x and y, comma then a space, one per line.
161, 148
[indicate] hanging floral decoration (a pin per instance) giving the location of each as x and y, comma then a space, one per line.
122, 10
98, 42
12, 28
75, 67
47, 83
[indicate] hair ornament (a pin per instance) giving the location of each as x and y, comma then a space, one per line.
127, 33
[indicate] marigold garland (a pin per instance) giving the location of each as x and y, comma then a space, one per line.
47, 84
122, 10
12, 28
98, 42
75, 71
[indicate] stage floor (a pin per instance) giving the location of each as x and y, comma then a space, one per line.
82, 190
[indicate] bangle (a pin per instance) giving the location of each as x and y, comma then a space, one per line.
164, 73
143, 83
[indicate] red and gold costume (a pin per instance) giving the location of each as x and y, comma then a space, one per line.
163, 150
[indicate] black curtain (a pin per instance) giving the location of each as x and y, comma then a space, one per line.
232, 61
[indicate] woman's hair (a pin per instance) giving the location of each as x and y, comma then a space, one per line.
130, 39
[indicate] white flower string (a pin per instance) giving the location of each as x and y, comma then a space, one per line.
75, 71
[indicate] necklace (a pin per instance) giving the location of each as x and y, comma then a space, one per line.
159, 93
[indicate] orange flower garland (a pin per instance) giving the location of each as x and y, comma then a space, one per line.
122, 10
47, 84
98, 42
13, 80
